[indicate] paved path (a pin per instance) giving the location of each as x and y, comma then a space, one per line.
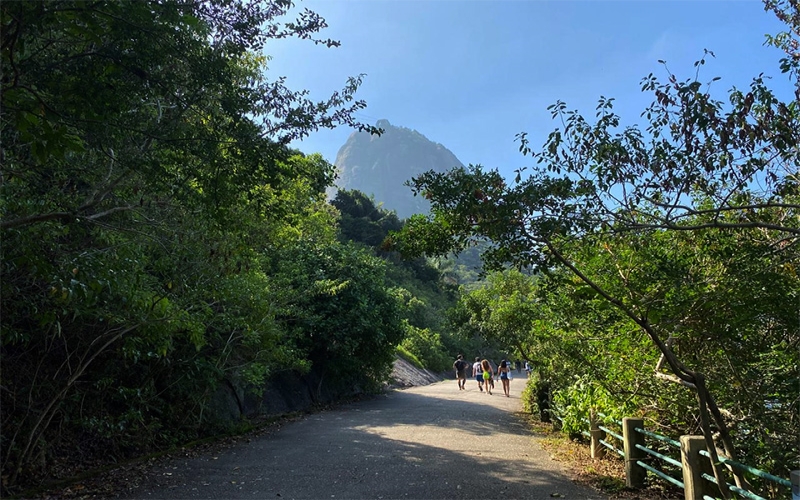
431, 442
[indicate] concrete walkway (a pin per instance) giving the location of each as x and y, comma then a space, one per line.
426, 442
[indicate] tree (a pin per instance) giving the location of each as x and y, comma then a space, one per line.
701, 165
98, 97
340, 315
416, 283
361, 220
145, 177
507, 311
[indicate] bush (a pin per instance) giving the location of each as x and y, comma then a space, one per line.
427, 347
528, 397
403, 353
575, 404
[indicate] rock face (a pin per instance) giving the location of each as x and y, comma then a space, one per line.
288, 392
404, 374
380, 166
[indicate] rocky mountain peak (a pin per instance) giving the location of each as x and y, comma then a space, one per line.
380, 165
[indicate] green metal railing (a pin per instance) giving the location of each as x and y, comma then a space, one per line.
675, 462
746, 468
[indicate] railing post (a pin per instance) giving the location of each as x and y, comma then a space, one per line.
795, 479
597, 435
634, 475
543, 401
694, 465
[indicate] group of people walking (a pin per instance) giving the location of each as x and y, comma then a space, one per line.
484, 374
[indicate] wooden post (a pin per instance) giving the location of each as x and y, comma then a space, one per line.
795, 479
694, 465
597, 434
543, 400
634, 475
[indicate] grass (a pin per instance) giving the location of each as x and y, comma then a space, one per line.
403, 353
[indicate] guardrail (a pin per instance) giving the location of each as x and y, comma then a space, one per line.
690, 471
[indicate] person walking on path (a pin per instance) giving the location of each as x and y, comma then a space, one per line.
477, 372
487, 375
504, 372
461, 372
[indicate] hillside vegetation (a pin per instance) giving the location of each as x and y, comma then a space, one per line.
159, 238
162, 244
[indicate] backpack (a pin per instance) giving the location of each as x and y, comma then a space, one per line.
460, 365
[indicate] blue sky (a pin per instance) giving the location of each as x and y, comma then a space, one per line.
472, 74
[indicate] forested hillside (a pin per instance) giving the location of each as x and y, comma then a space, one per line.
428, 290
159, 239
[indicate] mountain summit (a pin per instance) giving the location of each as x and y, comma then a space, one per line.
379, 166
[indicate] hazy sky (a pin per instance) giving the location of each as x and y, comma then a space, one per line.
472, 74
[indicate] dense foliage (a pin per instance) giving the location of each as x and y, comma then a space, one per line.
159, 239
425, 292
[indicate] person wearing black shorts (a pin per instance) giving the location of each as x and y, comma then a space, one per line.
477, 372
461, 372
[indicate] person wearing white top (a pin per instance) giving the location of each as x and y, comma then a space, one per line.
477, 372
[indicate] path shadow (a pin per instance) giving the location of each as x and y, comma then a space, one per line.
381, 449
